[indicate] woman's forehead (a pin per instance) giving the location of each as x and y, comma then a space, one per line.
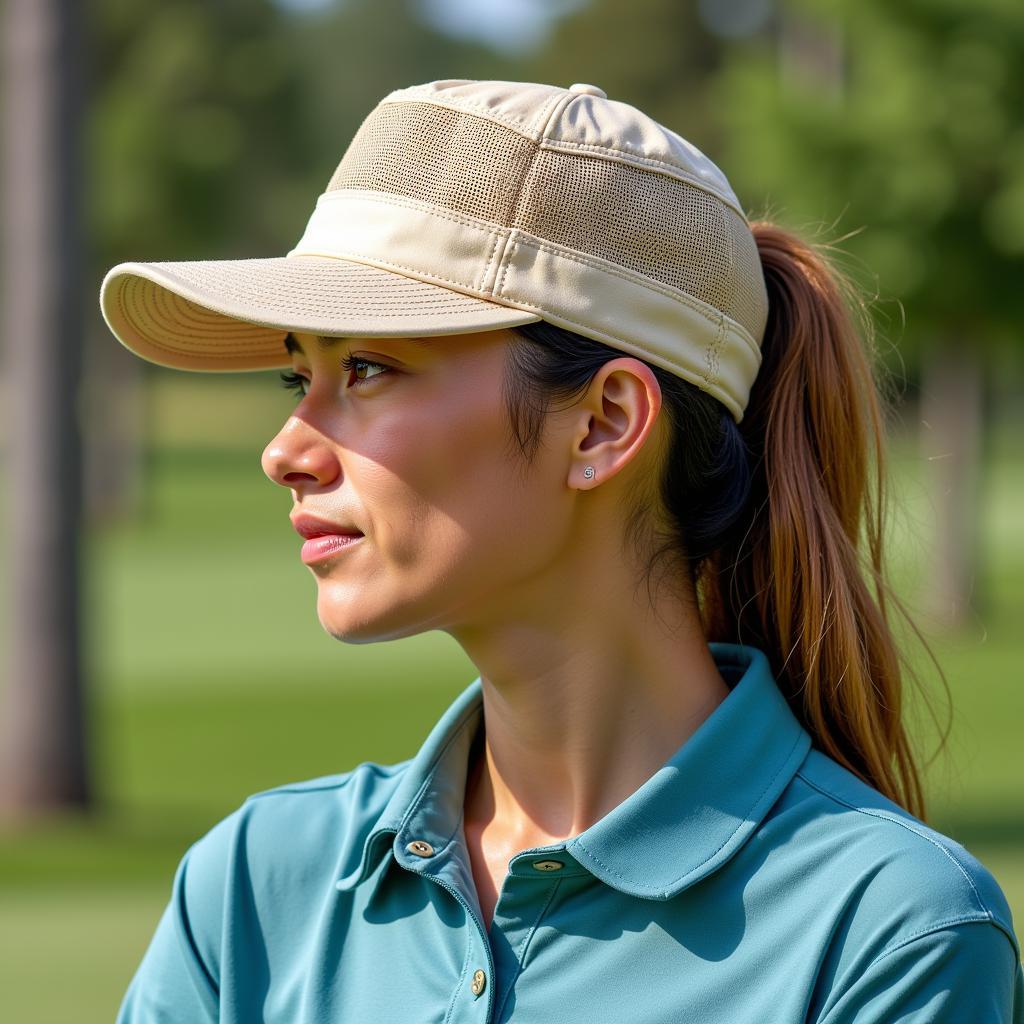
302, 342
299, 341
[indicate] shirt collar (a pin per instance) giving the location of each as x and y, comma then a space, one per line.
683, 823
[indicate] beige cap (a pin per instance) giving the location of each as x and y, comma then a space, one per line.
464, 205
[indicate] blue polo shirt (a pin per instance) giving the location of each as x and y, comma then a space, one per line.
751, 878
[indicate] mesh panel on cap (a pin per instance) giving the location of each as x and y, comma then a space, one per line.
656, 225
457, 160
749, 301
649, 222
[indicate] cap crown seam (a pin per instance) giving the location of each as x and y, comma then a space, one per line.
712, 354
630, 157
529, 131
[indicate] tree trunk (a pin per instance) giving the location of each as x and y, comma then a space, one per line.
43, 764
953, 417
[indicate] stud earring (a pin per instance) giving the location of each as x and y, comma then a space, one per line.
588, 473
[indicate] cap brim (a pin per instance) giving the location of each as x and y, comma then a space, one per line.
233, 314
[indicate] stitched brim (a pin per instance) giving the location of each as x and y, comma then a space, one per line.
233, 314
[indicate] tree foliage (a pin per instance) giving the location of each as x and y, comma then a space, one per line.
900, 123
214, 126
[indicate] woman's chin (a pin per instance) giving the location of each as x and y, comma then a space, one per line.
345, 614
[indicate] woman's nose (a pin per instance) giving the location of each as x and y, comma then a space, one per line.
297, 455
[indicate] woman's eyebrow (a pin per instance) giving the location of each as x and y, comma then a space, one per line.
325, 343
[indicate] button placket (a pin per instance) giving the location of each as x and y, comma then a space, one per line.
478, 983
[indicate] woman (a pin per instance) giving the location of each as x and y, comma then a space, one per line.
557, 397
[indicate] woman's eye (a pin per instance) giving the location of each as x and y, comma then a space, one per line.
349, 363
293, 382
296, 382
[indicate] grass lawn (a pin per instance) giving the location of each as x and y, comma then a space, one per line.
211, 679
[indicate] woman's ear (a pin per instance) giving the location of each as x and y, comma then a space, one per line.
617, 415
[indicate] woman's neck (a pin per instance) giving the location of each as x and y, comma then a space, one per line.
559, 750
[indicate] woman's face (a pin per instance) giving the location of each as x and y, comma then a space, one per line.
410, 445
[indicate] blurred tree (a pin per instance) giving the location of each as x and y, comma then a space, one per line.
905, 120
43, 762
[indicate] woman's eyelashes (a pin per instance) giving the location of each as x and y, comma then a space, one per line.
295, 382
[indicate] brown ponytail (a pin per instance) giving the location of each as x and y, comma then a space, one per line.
778, 519
795, 577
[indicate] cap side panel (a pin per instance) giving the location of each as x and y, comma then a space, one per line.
719, 357
418, 239
665, 229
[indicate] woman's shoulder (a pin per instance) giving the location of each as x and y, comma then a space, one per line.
363, 790
344, 805
883, 866
294, 838
303, 828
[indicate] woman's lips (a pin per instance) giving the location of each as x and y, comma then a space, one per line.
317, 548
323, 538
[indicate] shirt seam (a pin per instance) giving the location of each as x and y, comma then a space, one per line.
898, 821
300, 787
925, 932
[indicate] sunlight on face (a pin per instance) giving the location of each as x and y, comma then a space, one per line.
407, 440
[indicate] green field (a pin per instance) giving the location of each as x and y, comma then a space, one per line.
211, 679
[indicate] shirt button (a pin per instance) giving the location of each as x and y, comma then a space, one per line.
420, 847
548, 865
588, 90
478, 982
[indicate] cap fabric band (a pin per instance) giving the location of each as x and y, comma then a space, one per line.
464, 205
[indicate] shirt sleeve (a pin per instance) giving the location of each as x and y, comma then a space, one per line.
969, 971
177, 981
